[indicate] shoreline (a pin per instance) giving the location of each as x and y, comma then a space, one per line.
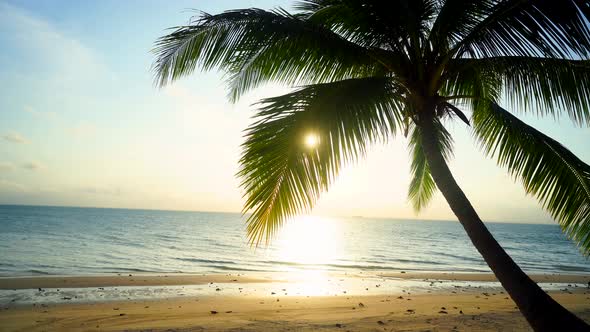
579, 278
124, 280
178, 279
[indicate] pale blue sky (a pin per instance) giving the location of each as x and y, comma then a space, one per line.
82, 124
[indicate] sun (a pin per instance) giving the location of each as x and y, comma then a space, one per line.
312, 140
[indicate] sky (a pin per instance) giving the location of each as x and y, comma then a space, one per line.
82, 124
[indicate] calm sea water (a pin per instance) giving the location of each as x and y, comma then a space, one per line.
38, 240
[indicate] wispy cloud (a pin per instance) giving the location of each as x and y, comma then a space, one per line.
81, 130
71, 61
94, 190
14, 137
12, 186
39, 114
5, 166
33, 166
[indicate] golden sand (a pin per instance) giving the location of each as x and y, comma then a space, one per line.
476, 310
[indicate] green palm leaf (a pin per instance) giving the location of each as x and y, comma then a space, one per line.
548, 170
422, 186
543, 85
558, 29
464, 78
281, 176
254, 46
454, 18
383, 24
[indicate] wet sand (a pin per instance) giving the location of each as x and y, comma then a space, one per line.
487, 277
200, 279
127, 280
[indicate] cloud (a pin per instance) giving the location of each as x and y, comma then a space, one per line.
82, 130
4, 167
33, 166
100, 191
50, 190
11, 186
69, 61
14, 137
39, 114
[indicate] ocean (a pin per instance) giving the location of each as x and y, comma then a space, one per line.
40, 240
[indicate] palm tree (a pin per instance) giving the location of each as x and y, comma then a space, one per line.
368, 70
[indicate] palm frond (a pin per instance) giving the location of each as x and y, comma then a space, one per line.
383, 24
454, 17
528, 28
422, 186
280, 175
462, 77
254, 46
548, 170
542, 85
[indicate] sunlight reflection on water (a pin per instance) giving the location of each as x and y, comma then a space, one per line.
88, 241
309, 240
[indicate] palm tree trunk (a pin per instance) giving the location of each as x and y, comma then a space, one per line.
541, 311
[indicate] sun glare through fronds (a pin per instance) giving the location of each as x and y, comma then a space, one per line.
311, 140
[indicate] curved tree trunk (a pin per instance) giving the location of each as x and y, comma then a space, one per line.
541, 311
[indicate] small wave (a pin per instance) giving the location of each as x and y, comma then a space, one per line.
129, 269
335, 266
34, 271
237, 269
570, 268
112, 237
415, 261
288, 263
43, 266
465, 258
366, 267
125, 241
215, 243
168, 237
208, 261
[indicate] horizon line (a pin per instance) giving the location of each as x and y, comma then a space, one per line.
242, 214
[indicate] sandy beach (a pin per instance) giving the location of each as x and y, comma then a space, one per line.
442, 312
461, 309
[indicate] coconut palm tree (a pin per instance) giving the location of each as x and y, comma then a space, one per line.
365, 71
